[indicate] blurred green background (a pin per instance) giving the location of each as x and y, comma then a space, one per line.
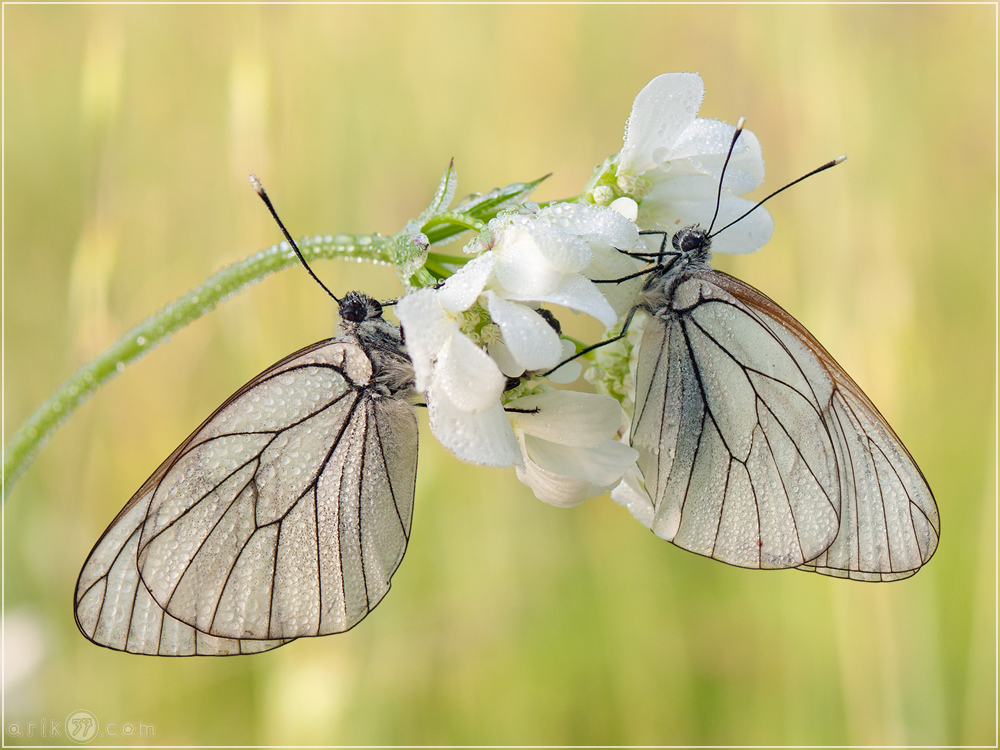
129, 134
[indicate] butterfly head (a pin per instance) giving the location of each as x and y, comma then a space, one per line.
356, 308
692, 245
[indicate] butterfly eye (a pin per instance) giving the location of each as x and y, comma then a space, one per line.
354, 309
691, 240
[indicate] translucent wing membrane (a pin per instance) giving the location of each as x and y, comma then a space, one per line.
114, 609
284, 515
732, 445
889, 524
757, 449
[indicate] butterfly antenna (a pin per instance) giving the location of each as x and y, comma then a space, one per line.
259, 189
718, 198
826, 166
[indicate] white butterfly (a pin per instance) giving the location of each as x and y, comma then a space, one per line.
755, 447
284, 515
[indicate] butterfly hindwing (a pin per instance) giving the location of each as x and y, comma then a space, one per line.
889, 525
284, 515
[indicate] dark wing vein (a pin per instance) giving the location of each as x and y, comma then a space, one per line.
701, 388
363, 453
166, 604
392, 490
725, 489
254, 457
755, 315
319, 560
690, 474
311, 486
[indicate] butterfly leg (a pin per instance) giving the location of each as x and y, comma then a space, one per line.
613, 339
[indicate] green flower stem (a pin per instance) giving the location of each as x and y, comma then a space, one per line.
40, 426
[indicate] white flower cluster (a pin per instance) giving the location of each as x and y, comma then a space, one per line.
479, 337
482, 327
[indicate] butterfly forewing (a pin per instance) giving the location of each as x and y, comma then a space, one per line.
733, 448
889, 524
283, 515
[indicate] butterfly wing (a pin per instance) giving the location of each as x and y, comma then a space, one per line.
889, 524
114, 609
284, 515
733, 447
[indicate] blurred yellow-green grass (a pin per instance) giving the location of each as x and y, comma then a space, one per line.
129, 132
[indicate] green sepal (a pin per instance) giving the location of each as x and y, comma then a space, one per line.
443, 196
476, 210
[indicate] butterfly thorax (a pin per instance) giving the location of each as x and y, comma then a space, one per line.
690, 255
361, 323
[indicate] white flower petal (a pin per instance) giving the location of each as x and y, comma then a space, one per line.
549, 244
504, 359
567, 417
662, 111
577, 293
569, 371
594, 224
681, 158
706, 144
748, 234
686, 184
608, 263
603, 465
663, 207
626, 207
554, 489
468, 375
521, 266
632, 494
562, 246
533, 342
540, 258
565, 476
460, 291
427, 328
705, 137
746, 167
483, 437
